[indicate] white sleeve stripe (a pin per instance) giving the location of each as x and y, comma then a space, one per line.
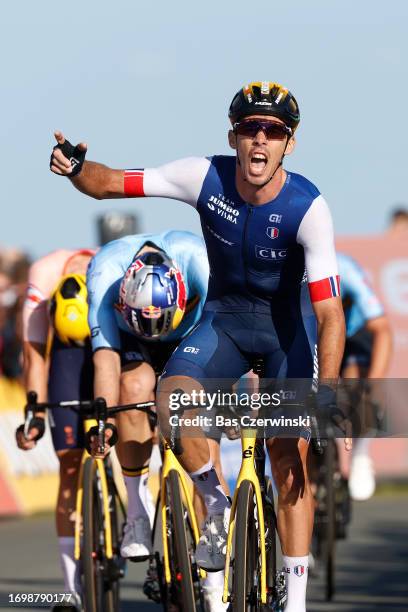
315, 234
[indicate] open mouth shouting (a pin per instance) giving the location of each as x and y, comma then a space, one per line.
258, 161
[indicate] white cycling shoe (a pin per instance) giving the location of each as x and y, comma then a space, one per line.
211, 547
74, 605
361, 481
213, 599
137, 540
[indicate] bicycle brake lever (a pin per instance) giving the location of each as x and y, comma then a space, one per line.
101, 416
29, 411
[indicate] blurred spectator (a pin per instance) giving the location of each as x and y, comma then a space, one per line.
116, 224
399, 221
13, 277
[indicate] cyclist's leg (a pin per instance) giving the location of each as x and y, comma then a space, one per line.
70, 377
215, 456
69, 461
134, 447
362, 477
205, 360
288, 456
213, 584
207, 354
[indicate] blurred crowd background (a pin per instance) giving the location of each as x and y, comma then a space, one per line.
14, 267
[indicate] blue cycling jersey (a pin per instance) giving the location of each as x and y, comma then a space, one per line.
253, 250
359, 300
108, 266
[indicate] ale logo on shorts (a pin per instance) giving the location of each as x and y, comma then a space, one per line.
191, 349
299, 570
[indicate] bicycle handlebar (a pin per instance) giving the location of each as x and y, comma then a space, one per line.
96, 408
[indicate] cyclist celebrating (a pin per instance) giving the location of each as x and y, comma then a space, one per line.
262, 226
56, 287
366, 356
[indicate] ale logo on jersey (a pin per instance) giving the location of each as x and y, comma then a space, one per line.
272, 232
299, 570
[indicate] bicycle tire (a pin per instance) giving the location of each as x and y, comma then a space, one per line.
118, 518
271, 537
98, 593
246, 554
182, 571
329, 539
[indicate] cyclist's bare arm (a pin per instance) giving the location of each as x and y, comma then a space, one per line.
107, 375
331, 336
106, 385
382, 346
35, 369
35, 379
315, 234
179, 180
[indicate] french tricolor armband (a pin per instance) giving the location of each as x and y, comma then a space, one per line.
324, 288
133, 183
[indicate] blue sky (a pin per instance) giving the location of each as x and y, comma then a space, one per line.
144, 83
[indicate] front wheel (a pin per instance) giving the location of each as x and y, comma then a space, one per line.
246, 575
329, 537
100, 593
181, 546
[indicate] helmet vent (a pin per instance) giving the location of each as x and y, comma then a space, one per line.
153, 259
70, 288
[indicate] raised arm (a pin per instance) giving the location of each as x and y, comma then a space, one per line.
179, 180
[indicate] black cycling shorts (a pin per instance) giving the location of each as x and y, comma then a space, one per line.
70, 378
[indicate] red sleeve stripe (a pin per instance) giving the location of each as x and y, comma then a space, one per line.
133, 183
324, 288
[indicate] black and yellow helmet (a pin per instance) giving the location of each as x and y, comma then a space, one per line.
265, 98
69, 310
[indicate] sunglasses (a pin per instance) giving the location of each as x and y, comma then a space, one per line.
271, 129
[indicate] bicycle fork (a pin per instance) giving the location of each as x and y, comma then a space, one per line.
105, 499
170, 462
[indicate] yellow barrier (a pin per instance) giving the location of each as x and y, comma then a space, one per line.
28, 480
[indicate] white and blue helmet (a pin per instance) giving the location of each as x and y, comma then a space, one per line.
152, 296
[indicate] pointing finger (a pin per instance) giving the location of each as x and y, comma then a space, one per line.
59, 137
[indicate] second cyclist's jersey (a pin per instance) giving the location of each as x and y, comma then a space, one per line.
259, 255
106, 271
359, 299
43, 278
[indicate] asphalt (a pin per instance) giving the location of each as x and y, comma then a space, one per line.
371, 570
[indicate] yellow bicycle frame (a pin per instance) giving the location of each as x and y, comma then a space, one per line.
247, 472
170, 462
100, 466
